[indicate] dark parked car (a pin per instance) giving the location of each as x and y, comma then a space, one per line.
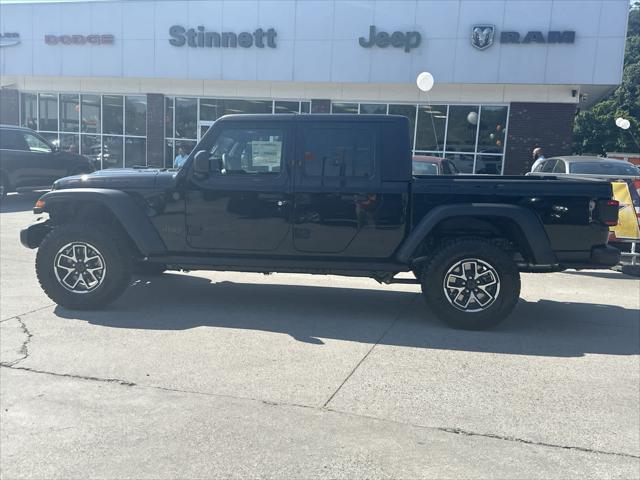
321, 194
28, 161
428, 165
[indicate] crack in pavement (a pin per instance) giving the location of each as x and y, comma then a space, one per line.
24, 351
69, 375
467, 433
24, 348
453, 431
395, 320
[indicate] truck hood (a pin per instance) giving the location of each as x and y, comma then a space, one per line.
120, 179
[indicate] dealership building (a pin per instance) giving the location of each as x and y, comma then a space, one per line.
131, 82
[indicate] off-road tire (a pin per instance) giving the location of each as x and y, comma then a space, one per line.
445, 265
114, 254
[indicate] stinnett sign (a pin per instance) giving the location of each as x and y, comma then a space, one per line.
200, 38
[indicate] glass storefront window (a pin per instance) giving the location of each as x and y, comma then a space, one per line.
373, 108
29, 110
463, 162
208, 109
186, 117
69, 113
408, 111
48, 112
135, 115
111, 152
489, 164
492, 129
186, 145
168, 153
344, 107
112, 114
135, 151
246, 106
463, 125
90, 147
168, 117
70, 142
90, 113
287, 107
432, 122
464, 133
52, 137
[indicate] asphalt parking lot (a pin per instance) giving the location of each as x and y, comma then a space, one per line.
206, 375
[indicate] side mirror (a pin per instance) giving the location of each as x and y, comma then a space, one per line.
201, 162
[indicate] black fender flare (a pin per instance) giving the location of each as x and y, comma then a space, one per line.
123, 207
532, 229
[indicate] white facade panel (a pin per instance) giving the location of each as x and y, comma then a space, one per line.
319, 40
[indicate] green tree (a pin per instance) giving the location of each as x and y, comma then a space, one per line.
595, 130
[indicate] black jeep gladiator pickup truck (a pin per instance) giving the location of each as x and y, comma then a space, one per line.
323, 194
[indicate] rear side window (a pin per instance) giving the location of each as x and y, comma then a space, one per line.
12, 140
548, 166
335, 152
560, 167
603, 168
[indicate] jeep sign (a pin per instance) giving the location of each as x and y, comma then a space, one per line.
406, 40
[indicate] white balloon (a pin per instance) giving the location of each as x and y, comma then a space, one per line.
472, 118
619, 120
425, 81
625, 124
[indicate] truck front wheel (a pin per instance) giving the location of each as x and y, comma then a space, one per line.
83, 266
471, 284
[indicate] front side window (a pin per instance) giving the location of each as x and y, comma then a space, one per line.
335, 152
36, 144
247, 151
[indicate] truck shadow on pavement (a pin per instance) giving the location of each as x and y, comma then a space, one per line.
311, 313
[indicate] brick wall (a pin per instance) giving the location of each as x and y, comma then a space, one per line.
546, 125
9, 106
155, 129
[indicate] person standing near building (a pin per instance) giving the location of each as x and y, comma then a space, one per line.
180, 158
538, 157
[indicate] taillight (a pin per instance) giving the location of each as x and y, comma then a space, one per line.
636, 185
607, 212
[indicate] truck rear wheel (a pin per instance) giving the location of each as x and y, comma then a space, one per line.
471, 284
83, 266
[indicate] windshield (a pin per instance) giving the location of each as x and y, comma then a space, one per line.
603, 168
425, 168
